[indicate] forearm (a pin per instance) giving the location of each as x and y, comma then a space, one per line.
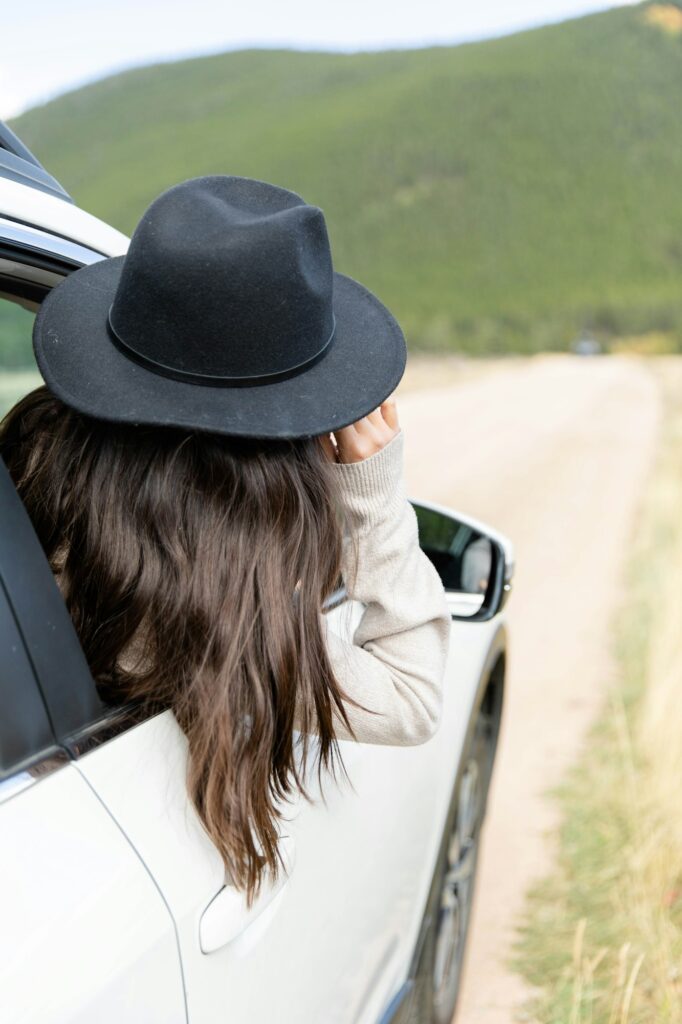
396, 662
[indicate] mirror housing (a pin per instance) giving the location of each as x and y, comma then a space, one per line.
475, 562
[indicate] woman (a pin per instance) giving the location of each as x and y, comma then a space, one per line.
215, 450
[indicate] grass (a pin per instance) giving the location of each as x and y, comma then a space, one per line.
602, 936
498, 196
15, 385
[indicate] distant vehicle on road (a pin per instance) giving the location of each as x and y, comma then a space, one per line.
586, 345
114, 902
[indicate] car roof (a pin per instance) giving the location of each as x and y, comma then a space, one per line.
22, 204
18, 163
30, 196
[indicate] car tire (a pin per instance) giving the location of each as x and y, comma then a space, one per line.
451, 916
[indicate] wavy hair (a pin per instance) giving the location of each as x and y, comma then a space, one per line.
195, 567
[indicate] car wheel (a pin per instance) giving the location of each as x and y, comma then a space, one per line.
458, 873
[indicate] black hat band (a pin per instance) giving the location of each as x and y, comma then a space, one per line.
211, 380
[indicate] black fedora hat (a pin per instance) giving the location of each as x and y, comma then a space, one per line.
225, 315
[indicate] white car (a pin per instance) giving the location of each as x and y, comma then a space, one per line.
113, 903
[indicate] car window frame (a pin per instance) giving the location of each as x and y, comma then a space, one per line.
25, 729
32, 262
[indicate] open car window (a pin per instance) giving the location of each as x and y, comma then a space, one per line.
79, 718
18, 373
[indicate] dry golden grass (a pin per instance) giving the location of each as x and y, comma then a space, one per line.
603, 935
665, 16
653, 343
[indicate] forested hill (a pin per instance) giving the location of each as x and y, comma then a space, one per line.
503, 194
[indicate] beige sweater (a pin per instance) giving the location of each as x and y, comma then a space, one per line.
396, 663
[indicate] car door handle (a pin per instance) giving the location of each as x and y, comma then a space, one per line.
227, 916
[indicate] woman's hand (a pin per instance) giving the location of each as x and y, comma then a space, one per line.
365, 437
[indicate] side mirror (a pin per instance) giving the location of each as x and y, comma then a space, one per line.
475, 563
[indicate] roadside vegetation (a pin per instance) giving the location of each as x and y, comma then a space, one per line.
14, 386
499, 196
602, 939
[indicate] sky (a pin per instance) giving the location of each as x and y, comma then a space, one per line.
49, 48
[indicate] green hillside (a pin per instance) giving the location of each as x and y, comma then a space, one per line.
499, 195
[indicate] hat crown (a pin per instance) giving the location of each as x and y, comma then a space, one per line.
226, 279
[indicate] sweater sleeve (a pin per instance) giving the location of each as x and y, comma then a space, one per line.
395, 665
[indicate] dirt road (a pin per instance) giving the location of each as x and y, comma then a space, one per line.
554, 451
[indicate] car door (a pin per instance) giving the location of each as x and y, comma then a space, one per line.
334, 942
84, 932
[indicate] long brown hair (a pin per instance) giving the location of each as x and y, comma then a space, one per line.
179, 555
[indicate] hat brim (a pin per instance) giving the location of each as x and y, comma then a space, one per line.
84, 368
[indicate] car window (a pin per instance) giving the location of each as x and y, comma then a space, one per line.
85, 719
32, 261
25, 733
18, 371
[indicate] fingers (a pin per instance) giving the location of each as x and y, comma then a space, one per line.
329, 447
372, 421
353, 444
368, 435
389, 410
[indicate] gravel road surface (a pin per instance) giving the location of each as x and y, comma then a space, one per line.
554, 451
